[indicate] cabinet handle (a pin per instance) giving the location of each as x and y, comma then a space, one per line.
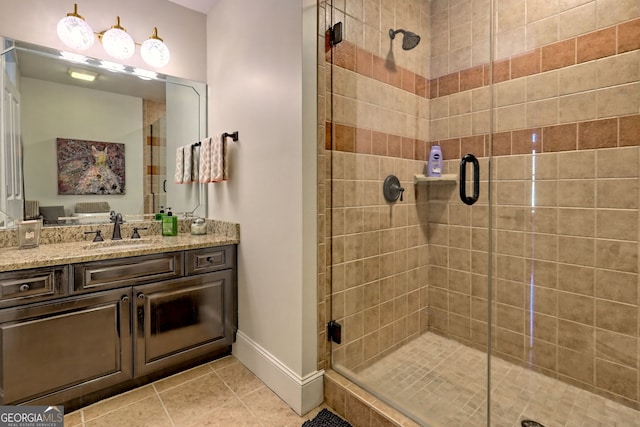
125, 298
140, 295
24, 287
209, 259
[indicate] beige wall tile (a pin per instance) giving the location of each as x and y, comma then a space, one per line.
617, 317
510, 14
617, 255
542, 246
542, 113
511, 117
576, 365
617, 379
579, 20
614, 193
577, 107
577, 222
578, 78
617, 163
617, 348
569, 4
510, 42
576, 308
510, 92
543, 85
618, 69
576, 193
576, 279
577, 164
576, 250
611, 12
542, 32
617, 224
617, 286
619, 100
576, 336
539, 9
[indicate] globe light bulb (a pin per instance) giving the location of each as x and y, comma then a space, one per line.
118, 43
154, 52
74, 31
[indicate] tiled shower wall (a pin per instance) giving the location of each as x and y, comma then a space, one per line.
154, 152
565, 218
375, 253
565, 192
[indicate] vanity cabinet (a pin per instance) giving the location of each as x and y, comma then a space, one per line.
114, 322
65, 347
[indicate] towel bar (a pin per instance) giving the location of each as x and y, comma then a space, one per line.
232, 135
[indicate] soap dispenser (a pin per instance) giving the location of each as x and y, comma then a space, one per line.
160, 214
434, 167
169, 224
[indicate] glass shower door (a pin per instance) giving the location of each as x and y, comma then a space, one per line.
565, 154
409, 278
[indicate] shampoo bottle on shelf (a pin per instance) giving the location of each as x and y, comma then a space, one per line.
169, 224
434, 166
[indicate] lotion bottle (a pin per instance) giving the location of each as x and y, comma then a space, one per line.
169, 224
434, 167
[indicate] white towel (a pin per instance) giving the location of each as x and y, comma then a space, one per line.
179, 177
217, 159
205, 161
188, 163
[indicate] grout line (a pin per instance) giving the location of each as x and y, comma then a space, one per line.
164, 407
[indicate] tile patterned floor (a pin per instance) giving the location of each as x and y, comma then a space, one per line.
218, 393
441, 382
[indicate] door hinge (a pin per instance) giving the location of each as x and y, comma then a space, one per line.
334, 332
335, 34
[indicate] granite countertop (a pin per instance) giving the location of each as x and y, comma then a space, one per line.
75, 251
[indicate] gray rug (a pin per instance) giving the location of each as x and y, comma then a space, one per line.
326, 418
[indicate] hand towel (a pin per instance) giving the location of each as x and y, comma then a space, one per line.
205, 161
188, 163
179, 177
217, 159
195, 163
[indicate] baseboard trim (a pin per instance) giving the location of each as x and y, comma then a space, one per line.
302, 394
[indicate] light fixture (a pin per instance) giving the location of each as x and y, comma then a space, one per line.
154, 52
74, 31
87, 76
117, 42
112, 66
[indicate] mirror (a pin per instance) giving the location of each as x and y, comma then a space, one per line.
80, 148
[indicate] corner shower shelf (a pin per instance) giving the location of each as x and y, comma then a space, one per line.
447, 178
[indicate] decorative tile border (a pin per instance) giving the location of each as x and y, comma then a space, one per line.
598, 44
614, 132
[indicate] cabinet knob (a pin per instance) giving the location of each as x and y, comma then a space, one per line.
209, 259
141, 296
24, 287
125, 298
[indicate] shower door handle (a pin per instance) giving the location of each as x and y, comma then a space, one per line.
463, 179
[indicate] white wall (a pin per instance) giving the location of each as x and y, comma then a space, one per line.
120, 121
258, 54
183, 30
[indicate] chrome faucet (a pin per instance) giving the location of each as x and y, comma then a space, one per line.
116, 219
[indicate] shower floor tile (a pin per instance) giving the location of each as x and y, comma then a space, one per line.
443, 383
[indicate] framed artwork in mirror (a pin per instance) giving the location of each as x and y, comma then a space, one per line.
90, 167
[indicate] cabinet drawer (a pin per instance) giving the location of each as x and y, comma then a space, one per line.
115, 273
26, 286
210, 259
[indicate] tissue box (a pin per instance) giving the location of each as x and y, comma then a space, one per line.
29, 233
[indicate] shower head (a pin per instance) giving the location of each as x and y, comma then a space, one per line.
409, 41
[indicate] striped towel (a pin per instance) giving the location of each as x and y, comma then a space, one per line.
179, 177
205, 160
